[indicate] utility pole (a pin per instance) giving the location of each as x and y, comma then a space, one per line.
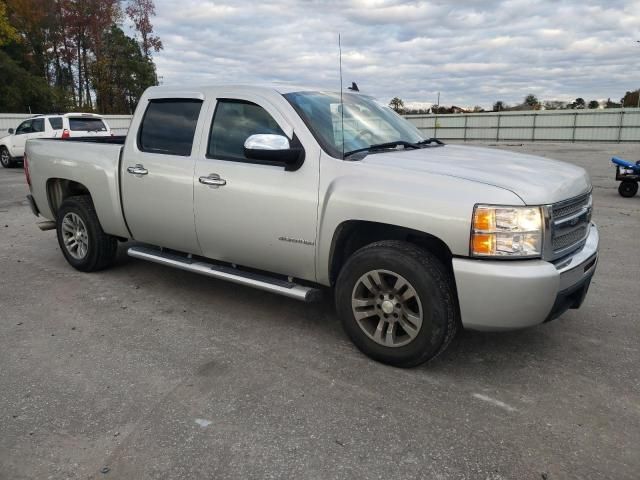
638, 104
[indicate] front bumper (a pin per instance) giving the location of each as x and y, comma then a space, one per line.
506, 295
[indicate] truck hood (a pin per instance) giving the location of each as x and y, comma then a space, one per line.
535, 180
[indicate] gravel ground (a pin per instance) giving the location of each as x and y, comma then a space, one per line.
146, 372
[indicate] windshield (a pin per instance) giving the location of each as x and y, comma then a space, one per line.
366, 121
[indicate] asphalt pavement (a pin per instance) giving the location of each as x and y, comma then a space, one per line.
142, 372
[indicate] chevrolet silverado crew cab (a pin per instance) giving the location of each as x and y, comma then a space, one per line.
49, 126
298, 191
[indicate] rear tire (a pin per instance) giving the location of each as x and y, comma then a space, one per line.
6, 159
628, 188
81, 238
397, 303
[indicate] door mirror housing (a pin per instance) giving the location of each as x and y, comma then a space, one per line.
274, 149
267, 141
11, 131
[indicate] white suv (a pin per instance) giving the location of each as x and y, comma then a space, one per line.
49, 126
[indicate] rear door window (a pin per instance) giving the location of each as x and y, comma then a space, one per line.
37, 125
56, 123
87, 124
168, 126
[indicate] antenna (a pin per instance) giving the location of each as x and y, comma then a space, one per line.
341, 101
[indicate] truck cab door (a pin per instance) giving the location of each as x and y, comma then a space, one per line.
20, 137
38, 129
32, 128
255, 213
156, 172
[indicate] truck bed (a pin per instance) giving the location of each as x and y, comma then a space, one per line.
93, 162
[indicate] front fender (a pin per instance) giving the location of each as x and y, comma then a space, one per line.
6, 142
437, 205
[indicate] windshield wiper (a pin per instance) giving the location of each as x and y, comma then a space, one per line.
429, 141
382, 146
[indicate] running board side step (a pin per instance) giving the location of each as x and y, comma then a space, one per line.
250, 279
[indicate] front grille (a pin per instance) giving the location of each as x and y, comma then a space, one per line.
570, 222
564, 209
563, 241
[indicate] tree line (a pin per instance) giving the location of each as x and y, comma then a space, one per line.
74, 55
530, 102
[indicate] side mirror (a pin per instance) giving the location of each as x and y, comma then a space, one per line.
11, 131
275, 149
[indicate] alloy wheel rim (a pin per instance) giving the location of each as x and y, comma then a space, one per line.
75, 236
387, 308
4, 156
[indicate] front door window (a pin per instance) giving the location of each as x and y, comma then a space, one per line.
25, 127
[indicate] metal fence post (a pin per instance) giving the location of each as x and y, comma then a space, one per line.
465, 127
498, 129
533, 129
575, 121
435, 126
620, 121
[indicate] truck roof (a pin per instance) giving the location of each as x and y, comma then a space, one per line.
70, 114
271, 89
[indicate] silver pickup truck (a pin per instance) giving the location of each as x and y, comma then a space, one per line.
296, 192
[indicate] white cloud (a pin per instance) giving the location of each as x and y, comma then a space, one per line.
472, 51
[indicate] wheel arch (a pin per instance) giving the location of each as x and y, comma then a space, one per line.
351, 235
59, 189
11, 158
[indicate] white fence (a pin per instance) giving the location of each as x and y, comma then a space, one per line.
609, 125
119, 123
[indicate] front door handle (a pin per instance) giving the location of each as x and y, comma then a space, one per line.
213, 180
138, 169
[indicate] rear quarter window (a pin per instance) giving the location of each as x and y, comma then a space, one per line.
86, 124
168, 126
56, 123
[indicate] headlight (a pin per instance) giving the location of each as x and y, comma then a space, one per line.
506, 231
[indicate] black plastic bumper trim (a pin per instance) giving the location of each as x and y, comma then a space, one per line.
570, 298
32, 204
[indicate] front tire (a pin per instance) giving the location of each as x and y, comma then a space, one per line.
81, 238
628, 188
397, 303
6, 159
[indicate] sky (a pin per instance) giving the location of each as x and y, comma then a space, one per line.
473, 52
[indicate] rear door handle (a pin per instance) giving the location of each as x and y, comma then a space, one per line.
138, 169
213, 180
